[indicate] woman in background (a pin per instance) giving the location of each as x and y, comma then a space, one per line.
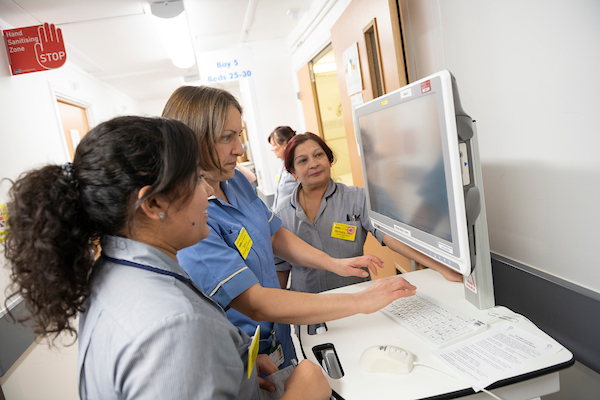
234, 265
285, 182
322, 213
146, 331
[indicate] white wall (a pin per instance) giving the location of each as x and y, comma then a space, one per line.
313, 33
528, 73
31, 136
269, 100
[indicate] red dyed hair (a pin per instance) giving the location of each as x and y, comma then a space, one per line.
290, 150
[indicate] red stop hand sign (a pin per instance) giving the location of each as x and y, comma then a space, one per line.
50, 49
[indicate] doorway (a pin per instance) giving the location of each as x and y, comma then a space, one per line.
75, 124
375, 27
329, 108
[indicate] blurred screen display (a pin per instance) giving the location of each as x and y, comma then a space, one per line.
404, 165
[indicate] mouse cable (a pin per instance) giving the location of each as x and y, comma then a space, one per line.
474, 388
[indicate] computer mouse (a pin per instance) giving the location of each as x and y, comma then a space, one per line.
386, 358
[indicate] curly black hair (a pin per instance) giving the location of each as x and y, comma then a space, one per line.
58, 214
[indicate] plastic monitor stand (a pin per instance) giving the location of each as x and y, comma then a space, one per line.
479, 286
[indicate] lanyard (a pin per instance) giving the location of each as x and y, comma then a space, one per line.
153, 269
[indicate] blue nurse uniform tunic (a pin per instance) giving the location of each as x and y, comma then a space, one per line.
220, 269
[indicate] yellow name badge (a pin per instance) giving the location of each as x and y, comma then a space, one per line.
343, 231
243, 243
253, 351
277, 177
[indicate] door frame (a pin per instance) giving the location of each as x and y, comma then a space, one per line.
67, 98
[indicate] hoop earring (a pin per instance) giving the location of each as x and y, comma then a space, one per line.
161, 215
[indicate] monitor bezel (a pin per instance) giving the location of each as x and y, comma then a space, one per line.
455, 253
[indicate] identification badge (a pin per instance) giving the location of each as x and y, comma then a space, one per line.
277, 177
276, 355
343, 231
253, 351
243, 243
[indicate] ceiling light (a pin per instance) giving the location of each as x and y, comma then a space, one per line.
293, 13
170, 21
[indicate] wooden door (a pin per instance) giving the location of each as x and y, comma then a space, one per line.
354, 27
75, 124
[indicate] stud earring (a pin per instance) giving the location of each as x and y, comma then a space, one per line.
161, 215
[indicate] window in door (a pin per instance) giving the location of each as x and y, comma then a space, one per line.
323, 71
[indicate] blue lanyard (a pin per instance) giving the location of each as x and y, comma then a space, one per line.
162, 272
152, 269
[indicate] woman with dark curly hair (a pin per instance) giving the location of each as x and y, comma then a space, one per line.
146, 331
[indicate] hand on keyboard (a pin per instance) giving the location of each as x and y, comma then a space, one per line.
382, 292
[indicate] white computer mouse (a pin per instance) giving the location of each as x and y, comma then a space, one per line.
386, 358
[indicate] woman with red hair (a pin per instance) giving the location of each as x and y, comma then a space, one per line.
332, 217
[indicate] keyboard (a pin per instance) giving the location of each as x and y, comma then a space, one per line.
435, 325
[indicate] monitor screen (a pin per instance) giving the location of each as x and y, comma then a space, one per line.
405, 165
411, 162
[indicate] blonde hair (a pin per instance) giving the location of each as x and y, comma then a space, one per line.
204, 109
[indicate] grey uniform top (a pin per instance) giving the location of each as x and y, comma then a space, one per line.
285, 187
343, 204
146, 335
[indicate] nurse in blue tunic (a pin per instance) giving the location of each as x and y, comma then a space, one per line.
322, 212
235, 263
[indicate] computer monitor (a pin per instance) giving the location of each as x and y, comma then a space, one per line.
418, 168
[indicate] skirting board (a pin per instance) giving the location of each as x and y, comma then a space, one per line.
567, 312
15, 338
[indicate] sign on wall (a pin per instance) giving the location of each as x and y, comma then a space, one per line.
35, 48
225, 65
352, 73
3, 222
